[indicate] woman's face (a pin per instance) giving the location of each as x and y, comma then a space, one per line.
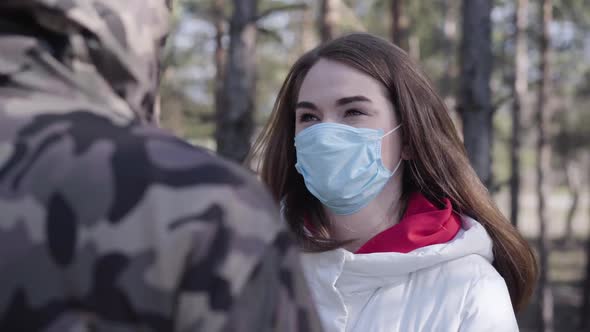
336, 93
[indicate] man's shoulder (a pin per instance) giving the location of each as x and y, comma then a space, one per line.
100, 171
82, 194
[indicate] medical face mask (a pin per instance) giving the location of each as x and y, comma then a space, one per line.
342, 165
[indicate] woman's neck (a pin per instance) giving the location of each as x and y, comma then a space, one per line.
380, 214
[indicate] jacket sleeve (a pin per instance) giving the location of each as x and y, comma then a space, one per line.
488, 307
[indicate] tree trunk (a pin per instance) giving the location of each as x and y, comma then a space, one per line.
157, 115
306, 34
328, 20
219, 57
520, 87
414, 47
399, 25
236, 121
573, 181
543, 168
447, 86
585, 309
474, 102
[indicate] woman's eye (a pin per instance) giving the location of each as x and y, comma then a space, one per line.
353, 112
307, 117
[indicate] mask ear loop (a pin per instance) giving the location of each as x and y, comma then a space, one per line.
399, 163
392, 130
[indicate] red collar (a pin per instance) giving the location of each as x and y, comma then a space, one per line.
422, 225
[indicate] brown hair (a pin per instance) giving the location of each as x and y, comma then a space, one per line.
439, 167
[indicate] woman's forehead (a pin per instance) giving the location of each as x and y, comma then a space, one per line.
329, 79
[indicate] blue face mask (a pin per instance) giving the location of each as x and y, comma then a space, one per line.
342, 165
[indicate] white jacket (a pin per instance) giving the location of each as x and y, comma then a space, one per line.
443, 287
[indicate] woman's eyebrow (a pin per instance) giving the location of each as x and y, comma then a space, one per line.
306, 104
348, 100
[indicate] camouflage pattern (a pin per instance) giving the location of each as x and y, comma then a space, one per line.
106, 223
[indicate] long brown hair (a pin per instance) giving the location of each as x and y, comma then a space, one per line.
439, 167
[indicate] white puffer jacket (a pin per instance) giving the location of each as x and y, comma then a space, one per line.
444, 287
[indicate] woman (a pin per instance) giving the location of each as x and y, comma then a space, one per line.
374, 181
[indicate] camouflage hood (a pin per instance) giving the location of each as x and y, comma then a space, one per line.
97, 55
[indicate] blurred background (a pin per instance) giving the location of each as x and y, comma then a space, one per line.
514, 74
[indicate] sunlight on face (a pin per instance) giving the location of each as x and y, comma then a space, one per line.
336, 93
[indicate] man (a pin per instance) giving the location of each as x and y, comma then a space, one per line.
107, 223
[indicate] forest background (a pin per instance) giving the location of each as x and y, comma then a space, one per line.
515, 75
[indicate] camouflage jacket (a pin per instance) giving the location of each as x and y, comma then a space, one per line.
106, 223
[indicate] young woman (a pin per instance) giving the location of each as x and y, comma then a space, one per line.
374, 181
